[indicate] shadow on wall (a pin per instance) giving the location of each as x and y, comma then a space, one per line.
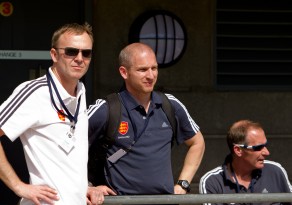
15, 155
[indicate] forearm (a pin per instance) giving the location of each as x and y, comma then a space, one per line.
193, 157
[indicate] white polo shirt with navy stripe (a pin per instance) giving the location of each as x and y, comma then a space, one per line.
29, 114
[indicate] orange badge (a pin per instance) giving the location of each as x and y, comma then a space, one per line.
61, 115
124, 127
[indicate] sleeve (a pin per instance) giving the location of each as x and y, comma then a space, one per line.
211, 184
20, 111
186, 126
283, 178
278, 177
213, 181
97, 114
284, 182
208, 186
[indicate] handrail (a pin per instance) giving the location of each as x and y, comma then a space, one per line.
199, 198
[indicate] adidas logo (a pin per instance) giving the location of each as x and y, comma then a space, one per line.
164, 124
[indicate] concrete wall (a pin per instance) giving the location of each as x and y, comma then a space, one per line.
112, 20
191, 79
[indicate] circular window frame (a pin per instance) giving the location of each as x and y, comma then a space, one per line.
161, 39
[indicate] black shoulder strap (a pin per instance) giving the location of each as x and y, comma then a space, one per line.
114, 116
169, 111
98, 149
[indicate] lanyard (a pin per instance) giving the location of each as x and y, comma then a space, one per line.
73, 119
237, 184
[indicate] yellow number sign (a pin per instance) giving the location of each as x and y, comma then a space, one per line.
6, 8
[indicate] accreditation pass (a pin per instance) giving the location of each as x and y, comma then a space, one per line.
116, 156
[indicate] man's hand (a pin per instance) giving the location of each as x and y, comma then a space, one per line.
179, 190
105, 190
95, 195
37, 193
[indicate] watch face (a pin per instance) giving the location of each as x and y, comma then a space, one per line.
185, 184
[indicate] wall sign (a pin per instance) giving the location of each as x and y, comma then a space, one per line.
24, 55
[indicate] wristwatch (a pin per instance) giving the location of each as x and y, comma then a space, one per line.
184, 184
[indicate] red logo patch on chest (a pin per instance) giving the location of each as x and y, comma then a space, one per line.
61, 115
124, 127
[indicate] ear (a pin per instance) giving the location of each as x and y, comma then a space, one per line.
123, 72
237, 150
54, 54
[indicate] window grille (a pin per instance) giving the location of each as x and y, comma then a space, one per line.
253, 44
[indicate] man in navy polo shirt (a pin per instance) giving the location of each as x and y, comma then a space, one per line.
245, 169
139, 162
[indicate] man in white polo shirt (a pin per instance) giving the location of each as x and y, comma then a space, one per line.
49, 115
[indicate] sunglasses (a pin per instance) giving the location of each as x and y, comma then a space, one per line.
253, 147
69, 51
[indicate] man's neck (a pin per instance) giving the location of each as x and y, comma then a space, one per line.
72, 90
144, 101
240, 173
142, 98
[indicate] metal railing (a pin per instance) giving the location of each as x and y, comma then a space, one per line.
199, 198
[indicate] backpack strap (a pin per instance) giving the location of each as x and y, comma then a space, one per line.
170, 114
114, 116
98, 149
115, 113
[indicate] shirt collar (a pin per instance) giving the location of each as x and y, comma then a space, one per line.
131, 103
256, 174
63, 93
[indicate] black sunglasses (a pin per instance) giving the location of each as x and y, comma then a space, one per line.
253, 147
69, 51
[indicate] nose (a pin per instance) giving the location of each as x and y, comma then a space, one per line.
151, 73
79, 56
265, 151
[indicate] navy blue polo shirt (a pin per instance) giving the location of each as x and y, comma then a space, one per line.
146, 167
272, 178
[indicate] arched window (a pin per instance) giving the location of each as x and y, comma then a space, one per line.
163, 32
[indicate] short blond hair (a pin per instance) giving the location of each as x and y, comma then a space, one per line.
74, 28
